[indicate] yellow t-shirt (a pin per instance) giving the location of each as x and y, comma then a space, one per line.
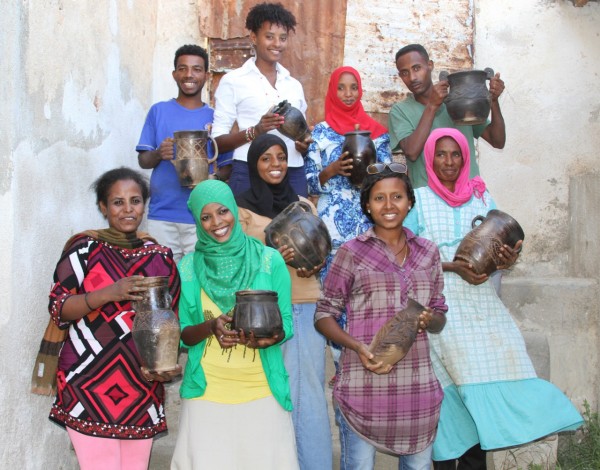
233, 375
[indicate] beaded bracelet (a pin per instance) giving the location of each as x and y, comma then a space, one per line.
250, 134
87, 303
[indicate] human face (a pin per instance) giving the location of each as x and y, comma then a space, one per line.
347, 89
270, 41
190, 75
447, 161
218, 221
415, 72
272, 165
388, 204
124, 207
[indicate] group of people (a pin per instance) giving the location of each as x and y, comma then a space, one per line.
466, 384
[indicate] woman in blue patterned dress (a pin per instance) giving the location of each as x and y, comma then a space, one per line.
327, 169
492, 396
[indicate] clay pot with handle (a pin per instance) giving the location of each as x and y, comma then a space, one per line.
294, 125
468, 100
191, 156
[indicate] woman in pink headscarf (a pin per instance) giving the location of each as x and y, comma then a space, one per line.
492, 396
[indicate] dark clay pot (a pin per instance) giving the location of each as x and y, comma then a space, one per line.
155, 328
191, 157
257, 311
468, 101
298, 228
294, 126
481, 246
397, 335
363, 153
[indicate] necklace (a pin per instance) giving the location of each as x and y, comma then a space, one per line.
405, 256
402, 248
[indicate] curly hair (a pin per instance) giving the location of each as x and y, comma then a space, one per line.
191, 49
106, 181
369, 182
273, 13
413, 48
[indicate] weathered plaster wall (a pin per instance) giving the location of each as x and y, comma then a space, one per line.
79, 78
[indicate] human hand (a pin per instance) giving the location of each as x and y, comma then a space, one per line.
496, 87
343, 165
166, 149
163, 376
424, 319
367, 358
127, 288
303, 272
268, 122
253, 342
509, 255
287, 253
465, 270
439, 92
221, 328
302, 145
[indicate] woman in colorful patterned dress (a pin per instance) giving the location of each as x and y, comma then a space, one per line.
109, 405
492, 396
394, 408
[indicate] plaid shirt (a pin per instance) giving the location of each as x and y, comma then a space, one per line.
397, 412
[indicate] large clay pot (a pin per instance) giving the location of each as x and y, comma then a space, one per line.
397, 335
298, 228
191, 157
363, 152
155, 328
468, 100
481, 246
257, 311
294, 125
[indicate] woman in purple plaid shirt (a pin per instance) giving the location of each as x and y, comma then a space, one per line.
392, 408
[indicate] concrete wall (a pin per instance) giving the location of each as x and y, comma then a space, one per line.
78, 78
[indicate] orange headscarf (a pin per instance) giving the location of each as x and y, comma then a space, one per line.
342, 118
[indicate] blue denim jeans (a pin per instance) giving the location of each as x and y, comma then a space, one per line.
358, 454
304, 357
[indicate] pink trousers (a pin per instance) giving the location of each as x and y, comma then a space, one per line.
101, 453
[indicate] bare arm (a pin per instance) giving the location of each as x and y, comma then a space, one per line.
231, 141
495, 132
150, 158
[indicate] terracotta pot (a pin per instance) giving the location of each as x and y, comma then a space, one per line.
191, 157
468, 100
257, 311
155, 328
481, 246
397, 335
363, 152
297, 227
294, 126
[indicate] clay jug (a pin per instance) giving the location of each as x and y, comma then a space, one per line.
397, 335
294, 126
481, 246
363, 152
155, 328
257, 311
468, 100
191, 157
297, 227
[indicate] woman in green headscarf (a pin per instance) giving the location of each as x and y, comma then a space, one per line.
236, 403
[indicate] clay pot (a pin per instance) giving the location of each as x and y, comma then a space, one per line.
481, 246
191, 157
155, 328
468, 100
363, 153
257, 311
298, 228
294, 126
397, 335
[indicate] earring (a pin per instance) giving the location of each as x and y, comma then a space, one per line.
369, 211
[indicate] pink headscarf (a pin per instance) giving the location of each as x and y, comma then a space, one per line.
465, 188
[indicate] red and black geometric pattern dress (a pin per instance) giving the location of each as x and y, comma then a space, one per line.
100, 389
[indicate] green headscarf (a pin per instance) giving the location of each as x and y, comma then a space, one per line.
223, 268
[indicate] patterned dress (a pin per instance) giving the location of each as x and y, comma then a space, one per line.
492, 395
339, 200
101, 391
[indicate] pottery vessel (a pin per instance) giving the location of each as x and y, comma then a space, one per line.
155, 328
298, 228
363, 152
294, 125
481, 246
397, 335
257, 311
191, 156
468, 100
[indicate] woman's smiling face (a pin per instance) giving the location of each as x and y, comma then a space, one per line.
272, 165
218, 221
124, 206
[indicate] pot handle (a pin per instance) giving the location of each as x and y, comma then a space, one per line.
477, 218
489, 72
214, 159
304, 206
443, 75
